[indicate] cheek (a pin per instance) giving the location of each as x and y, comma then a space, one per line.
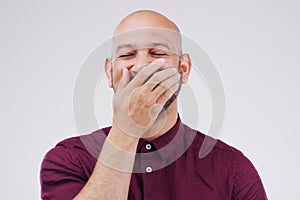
117, 70
172, 62
117, 75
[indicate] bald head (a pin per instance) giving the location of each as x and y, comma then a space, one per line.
144, 19
146, 29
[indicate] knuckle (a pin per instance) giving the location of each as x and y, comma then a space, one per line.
155, 78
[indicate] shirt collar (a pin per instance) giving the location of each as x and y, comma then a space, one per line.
163, 140
165, 149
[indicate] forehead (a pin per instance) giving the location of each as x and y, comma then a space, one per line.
146, 38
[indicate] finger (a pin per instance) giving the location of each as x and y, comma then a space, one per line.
124, 79
159, 83
166, 86
161, 76
145, 73
162, 99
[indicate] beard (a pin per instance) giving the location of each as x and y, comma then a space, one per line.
172, 98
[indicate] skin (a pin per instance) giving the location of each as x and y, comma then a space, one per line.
143, 83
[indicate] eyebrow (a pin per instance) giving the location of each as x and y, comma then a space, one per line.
122, 46
153, 44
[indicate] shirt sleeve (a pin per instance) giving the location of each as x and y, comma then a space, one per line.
61, 174
247, 183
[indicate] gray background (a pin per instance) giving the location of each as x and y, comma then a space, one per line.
254, 45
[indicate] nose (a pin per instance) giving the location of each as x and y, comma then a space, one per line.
142, 59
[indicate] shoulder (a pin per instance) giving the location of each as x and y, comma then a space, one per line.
67, 167
221, 152
230, 162
69, 153
79, 142
208, 145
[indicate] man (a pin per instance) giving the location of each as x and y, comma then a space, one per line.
147, 153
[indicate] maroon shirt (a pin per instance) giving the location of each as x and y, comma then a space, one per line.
225, 173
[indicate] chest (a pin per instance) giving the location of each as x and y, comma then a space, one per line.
180, 182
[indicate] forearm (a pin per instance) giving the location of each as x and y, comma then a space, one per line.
136, 108
112, 173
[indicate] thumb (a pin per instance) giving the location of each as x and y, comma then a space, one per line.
125, 79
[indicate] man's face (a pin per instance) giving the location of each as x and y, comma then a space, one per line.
138, 48
135, 49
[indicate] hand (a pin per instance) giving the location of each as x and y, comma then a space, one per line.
138, 103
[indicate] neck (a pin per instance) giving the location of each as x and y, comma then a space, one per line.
169, 121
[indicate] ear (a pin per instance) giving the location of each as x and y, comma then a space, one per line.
108, 71
186, 65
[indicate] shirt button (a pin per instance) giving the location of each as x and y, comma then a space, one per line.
148, 169
148, 146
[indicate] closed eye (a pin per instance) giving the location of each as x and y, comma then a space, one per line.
126, 55
158, 53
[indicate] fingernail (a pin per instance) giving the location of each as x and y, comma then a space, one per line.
123, 73
174, 70
160, 61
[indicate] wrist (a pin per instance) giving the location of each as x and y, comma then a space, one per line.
121, 139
